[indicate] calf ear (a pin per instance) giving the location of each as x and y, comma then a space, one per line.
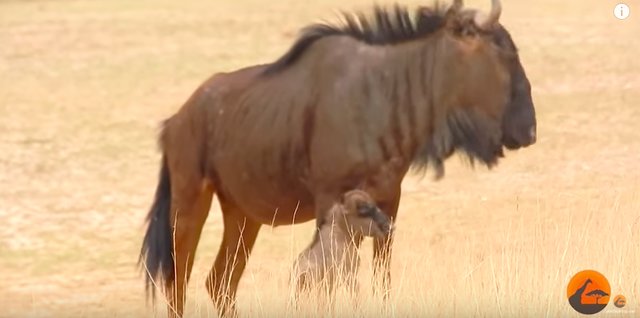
343, 198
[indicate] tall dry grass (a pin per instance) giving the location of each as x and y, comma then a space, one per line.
523, 271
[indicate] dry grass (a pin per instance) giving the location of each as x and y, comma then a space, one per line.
85, 83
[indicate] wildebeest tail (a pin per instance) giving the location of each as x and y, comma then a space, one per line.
156, 257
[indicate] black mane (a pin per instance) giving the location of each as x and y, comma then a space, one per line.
384, 27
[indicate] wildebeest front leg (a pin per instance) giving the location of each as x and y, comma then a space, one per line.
382, 248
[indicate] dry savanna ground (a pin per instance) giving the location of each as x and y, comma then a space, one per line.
84, 85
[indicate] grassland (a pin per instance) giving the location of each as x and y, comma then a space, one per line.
84, 85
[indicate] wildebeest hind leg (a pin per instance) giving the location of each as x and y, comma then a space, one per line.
238, 239
190, 207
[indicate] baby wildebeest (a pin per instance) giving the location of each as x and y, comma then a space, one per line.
332, 257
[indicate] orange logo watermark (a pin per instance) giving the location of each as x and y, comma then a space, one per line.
588, 292
619, 301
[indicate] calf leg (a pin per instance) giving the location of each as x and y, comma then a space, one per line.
304, 286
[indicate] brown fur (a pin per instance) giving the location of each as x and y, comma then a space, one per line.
280, 143
332, 258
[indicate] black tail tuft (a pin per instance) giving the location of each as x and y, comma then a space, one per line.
156, 257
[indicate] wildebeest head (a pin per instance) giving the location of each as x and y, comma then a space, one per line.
519, 119
496, 115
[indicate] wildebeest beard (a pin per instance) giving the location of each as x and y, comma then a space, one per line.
474, 134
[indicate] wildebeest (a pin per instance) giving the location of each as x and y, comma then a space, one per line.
279, 143
332, 258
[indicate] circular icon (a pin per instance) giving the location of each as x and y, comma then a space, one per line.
588, 292
619, 301
621, 11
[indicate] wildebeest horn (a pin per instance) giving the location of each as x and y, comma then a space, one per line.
493, 17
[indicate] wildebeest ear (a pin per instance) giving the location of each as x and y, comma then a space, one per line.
456, 5
463, 23
454, 19
453, 10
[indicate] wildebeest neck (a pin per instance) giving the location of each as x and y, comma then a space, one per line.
421, 126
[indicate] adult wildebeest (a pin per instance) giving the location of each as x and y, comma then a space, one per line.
279, 143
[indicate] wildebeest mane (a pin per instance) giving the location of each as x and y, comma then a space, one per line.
385, 26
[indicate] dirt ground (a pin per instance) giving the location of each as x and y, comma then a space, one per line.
84, 85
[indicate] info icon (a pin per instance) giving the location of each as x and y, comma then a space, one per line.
621, 11
588, 292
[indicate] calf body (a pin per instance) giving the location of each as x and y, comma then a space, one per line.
332, 258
